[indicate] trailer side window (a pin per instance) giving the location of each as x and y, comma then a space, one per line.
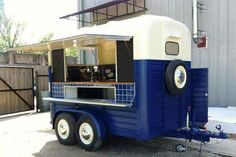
172, 48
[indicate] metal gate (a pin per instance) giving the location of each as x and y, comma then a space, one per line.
16, 89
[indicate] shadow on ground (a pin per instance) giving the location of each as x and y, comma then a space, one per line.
47, 131
119, 147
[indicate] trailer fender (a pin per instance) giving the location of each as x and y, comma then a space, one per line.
93, 115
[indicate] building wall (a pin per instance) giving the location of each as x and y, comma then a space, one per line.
218, 23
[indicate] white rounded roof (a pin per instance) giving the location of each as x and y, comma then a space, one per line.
127, 27
150, 34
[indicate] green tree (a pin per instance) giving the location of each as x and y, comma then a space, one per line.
47, 37
10, 33
69, 51
72, 52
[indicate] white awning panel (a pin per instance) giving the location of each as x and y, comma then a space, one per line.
150, 34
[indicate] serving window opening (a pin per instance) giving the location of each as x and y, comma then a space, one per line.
102, 61
104, 68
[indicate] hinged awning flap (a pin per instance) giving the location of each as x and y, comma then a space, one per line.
113, 30
89, 10
68, 42
108, 11
107, 37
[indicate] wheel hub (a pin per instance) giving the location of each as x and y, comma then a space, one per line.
63, 129
180, 76
86, 133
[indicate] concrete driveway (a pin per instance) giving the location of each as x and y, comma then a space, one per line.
31, 135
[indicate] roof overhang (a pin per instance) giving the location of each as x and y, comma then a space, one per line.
69, 42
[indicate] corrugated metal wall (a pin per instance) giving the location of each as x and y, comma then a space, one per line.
219, 23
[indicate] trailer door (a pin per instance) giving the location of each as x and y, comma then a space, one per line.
199, 90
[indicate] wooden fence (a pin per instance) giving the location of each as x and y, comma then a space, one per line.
16, 89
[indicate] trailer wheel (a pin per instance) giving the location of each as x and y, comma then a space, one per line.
87, 134
180, 148
176, 77
65, 128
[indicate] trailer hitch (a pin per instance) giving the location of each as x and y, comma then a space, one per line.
197, 134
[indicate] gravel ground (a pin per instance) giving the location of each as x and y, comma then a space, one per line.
31, 136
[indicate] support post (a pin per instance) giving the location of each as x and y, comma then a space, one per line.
11, 57
37, 91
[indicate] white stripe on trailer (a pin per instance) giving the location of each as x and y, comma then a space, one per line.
96, 102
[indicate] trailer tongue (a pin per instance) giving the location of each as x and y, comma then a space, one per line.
197, 134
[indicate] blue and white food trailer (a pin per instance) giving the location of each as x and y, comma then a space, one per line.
137, 83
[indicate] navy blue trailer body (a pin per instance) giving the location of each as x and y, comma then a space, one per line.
154, 111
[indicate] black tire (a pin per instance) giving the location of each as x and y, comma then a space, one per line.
180, 148
67, 138
171, 85
95, 142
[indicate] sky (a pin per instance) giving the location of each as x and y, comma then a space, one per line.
41, 17
1, 3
